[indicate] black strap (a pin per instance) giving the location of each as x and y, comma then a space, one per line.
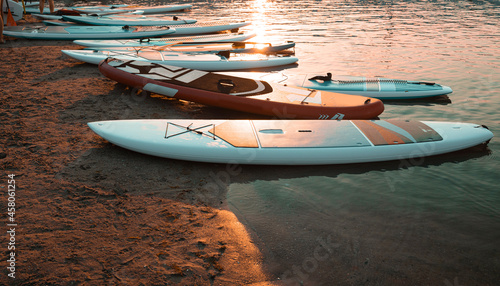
225, 85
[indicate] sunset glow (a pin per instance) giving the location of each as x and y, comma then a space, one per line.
259, 17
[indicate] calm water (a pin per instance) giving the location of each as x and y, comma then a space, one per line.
432, 221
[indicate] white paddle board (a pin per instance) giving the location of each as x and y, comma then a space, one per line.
161, 9
115, 8
231, 37
206, 62
290, 142
85, 32
131, 20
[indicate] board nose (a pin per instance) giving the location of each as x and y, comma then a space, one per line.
484, 132
97, 126
447, 89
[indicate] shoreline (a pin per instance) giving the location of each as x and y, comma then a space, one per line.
90, 211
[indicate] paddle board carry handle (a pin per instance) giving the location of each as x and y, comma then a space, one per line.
225, 85
426, 83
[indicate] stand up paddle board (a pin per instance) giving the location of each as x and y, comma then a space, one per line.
290, 142
377, 87
209, 47
230, 37
34, 9
117, 8
180, 30
240, 94
85, 32
162, 9
127, 19
207, 62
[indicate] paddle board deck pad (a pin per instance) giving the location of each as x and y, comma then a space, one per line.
240, 94
209, 47
86, 32
202, 61
230, 37
377, 87
131, 20
290, 142
16, 9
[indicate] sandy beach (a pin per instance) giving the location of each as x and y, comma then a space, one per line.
90, 213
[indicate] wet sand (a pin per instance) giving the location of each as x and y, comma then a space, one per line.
90, 213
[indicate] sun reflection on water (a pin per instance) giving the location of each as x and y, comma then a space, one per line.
259, 16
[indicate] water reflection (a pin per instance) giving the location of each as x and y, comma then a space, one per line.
259, 12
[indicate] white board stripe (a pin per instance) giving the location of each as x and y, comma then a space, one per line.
167, 73
129, 69
191, 76
260, 87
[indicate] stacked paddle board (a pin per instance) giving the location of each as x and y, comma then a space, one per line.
206, 62
85, 32
290, 142
127, 19
116, 8
180, 29
229, 37
159, 9
209, 47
